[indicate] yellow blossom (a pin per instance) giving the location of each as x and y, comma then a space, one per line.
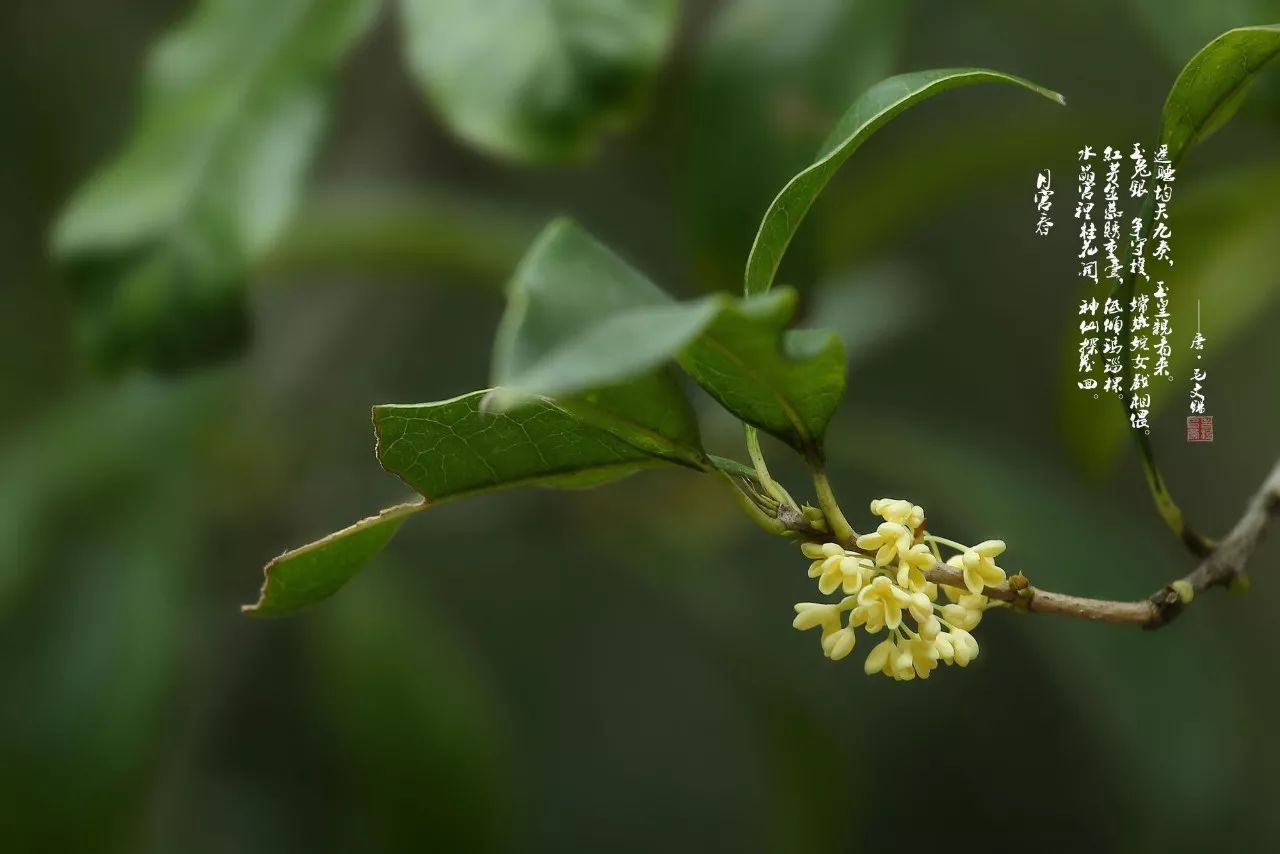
814, 551
838, 644
878, 659
913, 564
811, 614
899, 511
888, 540
834, 567
965, 613
902, 662
978, 565
880, 604
924, 656
964, 647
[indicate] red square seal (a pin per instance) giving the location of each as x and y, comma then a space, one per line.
1199, 428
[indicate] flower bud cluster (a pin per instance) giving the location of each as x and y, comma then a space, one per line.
885, 588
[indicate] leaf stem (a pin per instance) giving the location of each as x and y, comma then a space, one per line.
934, 538
770, 485
754, 512
840, 526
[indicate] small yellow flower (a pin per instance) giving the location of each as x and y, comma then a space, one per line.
946, 651
979, 566
964, 647
913, 564
965, 613
838, 644
812, 614
848, 573
834, 567
878, 659
920, 607
902, 662
814, 551
899, 512
888, 540
880, 604
924, 656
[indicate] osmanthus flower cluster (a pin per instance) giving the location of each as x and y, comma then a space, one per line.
885, 588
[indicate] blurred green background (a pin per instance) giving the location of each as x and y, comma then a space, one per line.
552, 671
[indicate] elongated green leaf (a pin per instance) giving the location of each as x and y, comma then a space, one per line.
535, 79
580, 318
158, 243
1210, 88
453, 449
868, 114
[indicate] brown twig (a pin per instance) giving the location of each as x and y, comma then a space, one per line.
1223, 565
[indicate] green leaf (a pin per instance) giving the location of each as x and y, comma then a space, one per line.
786, 382
535, 79
570, 288
315, 571
454, 449
868, 114
581, 318
158, 244
1212, 85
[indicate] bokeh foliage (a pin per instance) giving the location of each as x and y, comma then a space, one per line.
525, 671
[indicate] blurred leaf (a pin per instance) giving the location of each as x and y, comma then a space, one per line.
158, 244
317, 570
84, 449
872, 110
397, 234
535, 79
411, 712
1210, 88
869, 308
95, 669
580, 318
770, 80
